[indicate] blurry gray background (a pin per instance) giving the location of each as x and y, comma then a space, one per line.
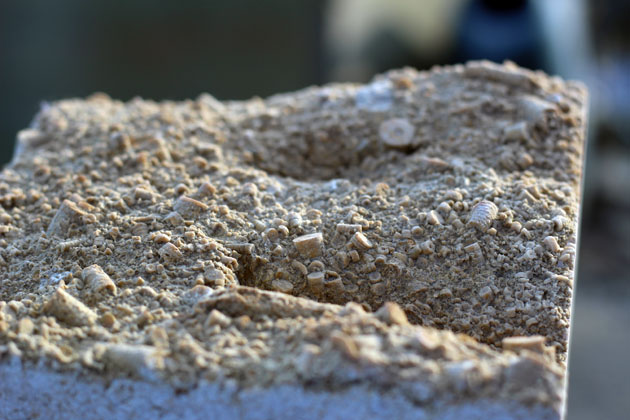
238, 49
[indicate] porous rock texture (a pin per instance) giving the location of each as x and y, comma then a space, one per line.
403, 248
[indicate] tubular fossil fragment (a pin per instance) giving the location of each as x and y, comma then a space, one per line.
97, 280
482, 215
396, 132
309, 245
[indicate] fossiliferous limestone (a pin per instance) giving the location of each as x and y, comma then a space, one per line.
410, 240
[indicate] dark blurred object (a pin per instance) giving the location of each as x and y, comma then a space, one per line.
500, 30
236, 49
598, 370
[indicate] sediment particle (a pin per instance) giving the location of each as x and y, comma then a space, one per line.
486, 293
517, 131
97, 281
348, 228
169, 251
474, 250
189, 207
316, 281
309, 245
535, 343
136, 359
433, 218
552, 244
69, 309
396, 133
345, 344
361, 241
391, 313
281, 285
482, 215
67, 214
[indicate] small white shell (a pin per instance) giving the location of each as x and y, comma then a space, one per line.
396, 132
483, 214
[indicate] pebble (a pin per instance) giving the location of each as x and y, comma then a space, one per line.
345, 344
174, 218
559, 222
108, 320
218, 318
475, 251
136, 359
524, 160
517, 131
486, 293
161, 238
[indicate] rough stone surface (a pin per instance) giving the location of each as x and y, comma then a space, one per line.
189, 213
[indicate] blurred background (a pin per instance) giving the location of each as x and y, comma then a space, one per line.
244, 48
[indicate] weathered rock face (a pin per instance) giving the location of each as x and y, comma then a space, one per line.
259, 241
